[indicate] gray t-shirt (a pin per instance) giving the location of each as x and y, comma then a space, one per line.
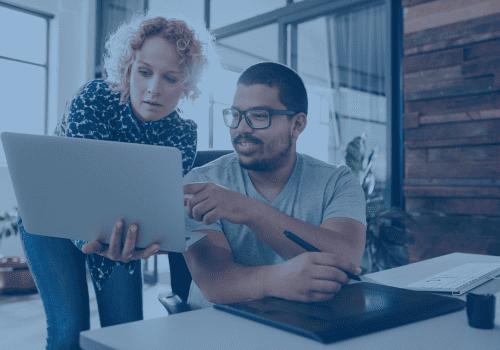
315, 192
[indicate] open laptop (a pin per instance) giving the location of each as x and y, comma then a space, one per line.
78, 188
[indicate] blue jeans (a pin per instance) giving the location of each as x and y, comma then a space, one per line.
58, 268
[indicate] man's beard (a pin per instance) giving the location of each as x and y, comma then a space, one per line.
270, 165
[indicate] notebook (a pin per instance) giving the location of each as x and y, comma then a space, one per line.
78, 188
358, 309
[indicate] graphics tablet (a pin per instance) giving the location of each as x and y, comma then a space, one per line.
78, 188
358, 309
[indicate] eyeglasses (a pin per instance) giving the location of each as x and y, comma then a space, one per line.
255, 118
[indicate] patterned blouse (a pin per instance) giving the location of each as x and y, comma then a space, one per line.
94, 113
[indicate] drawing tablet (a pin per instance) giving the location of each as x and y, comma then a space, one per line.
358, 309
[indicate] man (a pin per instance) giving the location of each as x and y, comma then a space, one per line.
245, 201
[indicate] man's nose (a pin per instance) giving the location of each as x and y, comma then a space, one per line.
244, 127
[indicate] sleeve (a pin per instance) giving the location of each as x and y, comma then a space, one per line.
83, 118
191, 224
84, 114
345, 197
188, 145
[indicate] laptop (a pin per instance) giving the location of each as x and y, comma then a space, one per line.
78, 188
358, 309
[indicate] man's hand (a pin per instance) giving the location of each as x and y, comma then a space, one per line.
114, 251
309, 277
211, 202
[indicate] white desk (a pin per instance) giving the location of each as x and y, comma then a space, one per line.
213, 329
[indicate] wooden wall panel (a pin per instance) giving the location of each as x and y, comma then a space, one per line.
451, 117
452, 191
454, 87
481, 67
416, 156
473, 103
483, 50
469, 170
432, 60
470, 141
454, 130
432, 79
411, 120
439, 13
452, 35
463, 206
464, 154
440, 235
406, 3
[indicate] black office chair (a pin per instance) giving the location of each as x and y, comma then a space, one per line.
175, 301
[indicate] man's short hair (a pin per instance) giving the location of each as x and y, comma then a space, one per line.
292, 92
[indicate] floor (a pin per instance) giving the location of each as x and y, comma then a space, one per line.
22, 318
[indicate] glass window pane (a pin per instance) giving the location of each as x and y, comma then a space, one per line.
24, 36
223, 94
222, 138
312, 57
346, 86
22, 91
219, 84
240, 51
225, 12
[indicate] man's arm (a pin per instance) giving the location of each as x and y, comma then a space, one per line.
340, 236
219, 278
307, 277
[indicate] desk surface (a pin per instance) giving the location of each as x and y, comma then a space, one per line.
213, 329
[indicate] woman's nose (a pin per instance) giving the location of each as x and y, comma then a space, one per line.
154, 85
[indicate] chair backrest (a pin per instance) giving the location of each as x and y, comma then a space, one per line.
180, 277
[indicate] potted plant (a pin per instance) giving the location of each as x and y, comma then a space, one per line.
388, 230
15, 276
8, 225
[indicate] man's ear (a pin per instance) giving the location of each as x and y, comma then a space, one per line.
299, 123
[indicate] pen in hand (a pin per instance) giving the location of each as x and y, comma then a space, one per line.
311, 248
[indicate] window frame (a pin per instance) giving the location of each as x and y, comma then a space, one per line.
47, 17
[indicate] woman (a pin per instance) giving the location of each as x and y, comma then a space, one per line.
152, 64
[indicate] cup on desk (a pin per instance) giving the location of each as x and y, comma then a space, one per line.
481, 310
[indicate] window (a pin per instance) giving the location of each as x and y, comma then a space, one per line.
226, 12
342, 50
110, 14
24, 70
341, 58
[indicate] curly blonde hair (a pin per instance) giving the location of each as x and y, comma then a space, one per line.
194, 48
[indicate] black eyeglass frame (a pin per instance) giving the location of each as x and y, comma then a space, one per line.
244, 114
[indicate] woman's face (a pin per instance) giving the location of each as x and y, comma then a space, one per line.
155, 88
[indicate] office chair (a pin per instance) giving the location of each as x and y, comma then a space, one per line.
175, 301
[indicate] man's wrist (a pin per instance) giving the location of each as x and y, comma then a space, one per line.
270, 282
254, 211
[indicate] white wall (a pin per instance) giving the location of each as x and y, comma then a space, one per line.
7, 197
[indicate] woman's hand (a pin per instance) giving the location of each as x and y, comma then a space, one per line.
114, 250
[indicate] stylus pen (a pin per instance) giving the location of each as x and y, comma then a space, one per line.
311, 248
